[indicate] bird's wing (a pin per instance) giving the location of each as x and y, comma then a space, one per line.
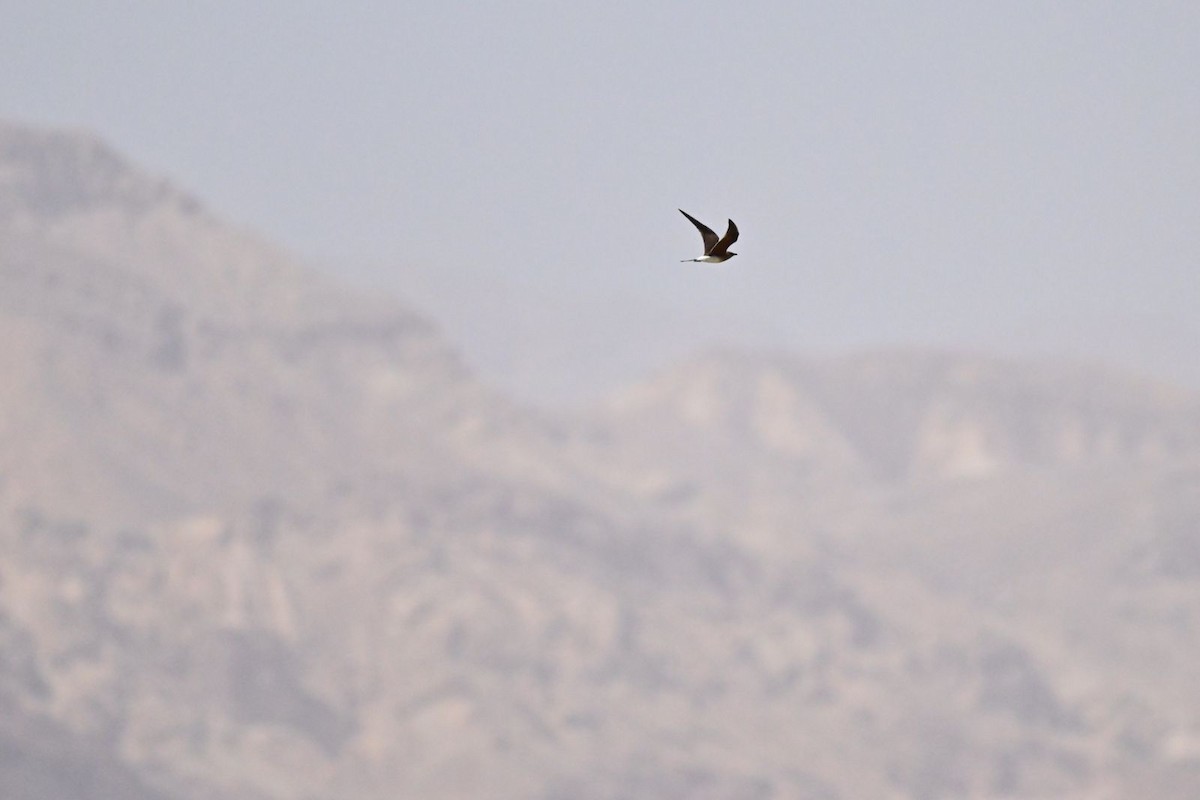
710, 238
731, 236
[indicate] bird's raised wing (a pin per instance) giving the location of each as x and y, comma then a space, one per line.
710, 238
731, 236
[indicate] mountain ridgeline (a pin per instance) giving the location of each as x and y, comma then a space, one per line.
265, 538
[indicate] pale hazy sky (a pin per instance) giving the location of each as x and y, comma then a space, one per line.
999, 176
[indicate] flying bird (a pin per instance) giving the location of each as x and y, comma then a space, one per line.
715, 250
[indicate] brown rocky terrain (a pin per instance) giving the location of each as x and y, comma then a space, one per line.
264, 537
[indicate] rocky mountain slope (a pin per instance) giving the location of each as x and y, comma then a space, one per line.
264, 538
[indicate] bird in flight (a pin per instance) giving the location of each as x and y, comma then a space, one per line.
715, 250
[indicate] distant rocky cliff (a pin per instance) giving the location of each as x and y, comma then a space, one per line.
261, 537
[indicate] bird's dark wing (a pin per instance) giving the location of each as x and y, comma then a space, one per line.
721, 247
710, 238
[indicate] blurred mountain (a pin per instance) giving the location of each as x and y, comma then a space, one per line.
263, 537
911, 415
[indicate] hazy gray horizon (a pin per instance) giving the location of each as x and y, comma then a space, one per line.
1013, 179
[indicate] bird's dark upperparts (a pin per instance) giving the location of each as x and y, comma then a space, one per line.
716, 249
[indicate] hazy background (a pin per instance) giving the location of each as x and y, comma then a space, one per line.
264, 536
1014, 177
